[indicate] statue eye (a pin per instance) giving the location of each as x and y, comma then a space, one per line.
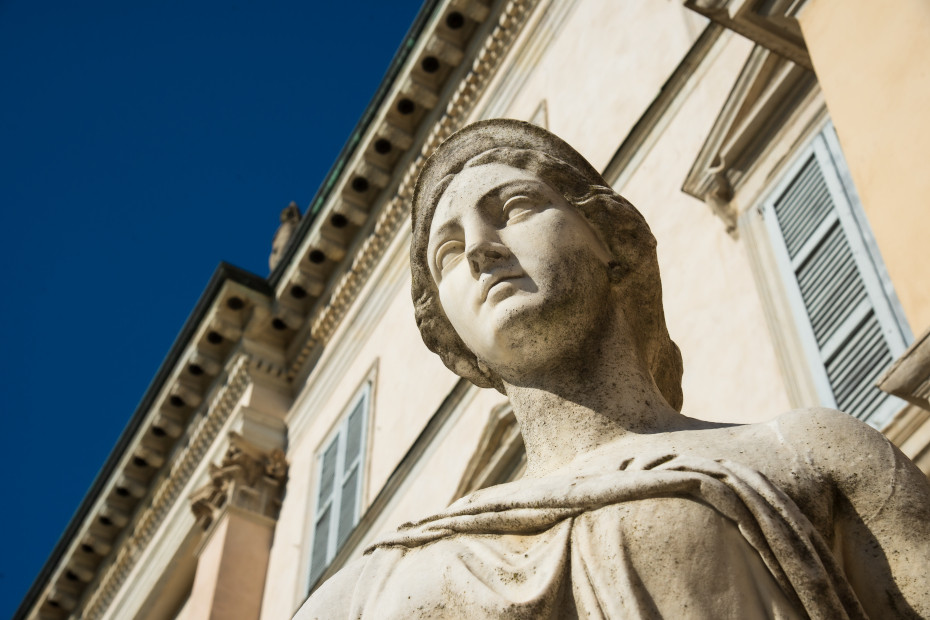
518, 205
447, 253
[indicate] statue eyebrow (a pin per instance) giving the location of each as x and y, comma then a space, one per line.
445, 228
450, 226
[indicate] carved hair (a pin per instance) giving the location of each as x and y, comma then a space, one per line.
614, 220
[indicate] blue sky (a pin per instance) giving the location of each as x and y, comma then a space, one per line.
140, 144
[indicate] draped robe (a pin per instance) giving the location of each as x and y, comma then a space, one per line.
661, 535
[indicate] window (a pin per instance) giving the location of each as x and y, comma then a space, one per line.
842, 302
340, 466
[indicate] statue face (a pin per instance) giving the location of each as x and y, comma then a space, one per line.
521, 275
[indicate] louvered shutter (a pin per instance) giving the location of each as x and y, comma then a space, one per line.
340, 467
351, 469
847, 322
320, 557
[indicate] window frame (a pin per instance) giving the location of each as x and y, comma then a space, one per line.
339, 437
824, 146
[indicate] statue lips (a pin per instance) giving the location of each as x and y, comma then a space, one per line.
490, 280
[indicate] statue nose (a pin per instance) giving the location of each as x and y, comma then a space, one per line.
482, 255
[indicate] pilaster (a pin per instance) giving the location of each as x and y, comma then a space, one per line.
238, 509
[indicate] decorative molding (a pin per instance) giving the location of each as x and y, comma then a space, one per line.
548, 20
169, 491
768, 90
771, 24
541, 115
247, 477
663, 109
499, 450
909, 375
396, 210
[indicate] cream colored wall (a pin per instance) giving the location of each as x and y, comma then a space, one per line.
606, 64
441, 469
871, 61
713, 309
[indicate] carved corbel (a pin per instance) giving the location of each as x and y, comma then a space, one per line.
246, 477
719, 195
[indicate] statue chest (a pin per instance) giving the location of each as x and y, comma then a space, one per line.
650, 558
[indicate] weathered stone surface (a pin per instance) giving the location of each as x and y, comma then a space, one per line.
532, 276
290, 218
247, 478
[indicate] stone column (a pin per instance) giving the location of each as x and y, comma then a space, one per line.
871, 61
238, 509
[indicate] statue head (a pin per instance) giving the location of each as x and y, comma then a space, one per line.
531, 154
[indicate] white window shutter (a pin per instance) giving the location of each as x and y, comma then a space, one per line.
319, 556
339, 486
351, 465
847, 322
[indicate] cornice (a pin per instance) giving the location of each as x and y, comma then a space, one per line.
771, 24
169, 491
909, 375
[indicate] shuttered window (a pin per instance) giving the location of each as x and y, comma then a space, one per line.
340, 466
834, 282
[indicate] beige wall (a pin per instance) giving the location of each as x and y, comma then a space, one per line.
871, 59
603, 69
712, 305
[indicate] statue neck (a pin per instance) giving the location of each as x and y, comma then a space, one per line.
603, 393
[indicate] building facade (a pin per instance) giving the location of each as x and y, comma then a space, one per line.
299, 416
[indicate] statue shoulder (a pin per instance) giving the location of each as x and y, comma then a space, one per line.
843, 450
819, 427
868, 473
881, 500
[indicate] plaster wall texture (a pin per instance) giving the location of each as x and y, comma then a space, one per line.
883, 128
713, 309
603, 68
290, 548
439, 472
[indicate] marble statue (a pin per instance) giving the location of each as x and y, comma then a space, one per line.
532, 276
